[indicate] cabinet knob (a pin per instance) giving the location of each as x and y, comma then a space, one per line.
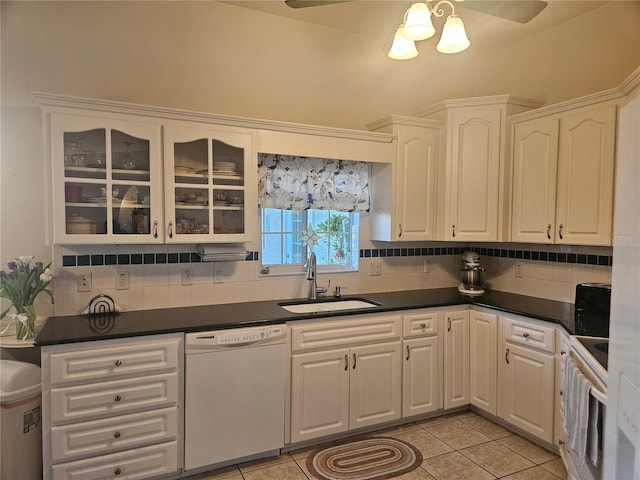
423, 326
563, 352
118, 363
117, 471
117, 398
560, 442
561, 392
117, 435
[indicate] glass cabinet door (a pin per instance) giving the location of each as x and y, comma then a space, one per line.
107, 180
205, 181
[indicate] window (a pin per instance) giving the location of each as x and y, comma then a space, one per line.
287, 234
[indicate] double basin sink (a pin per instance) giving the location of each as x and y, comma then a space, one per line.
328, 305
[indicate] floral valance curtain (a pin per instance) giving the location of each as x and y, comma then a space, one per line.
300, 183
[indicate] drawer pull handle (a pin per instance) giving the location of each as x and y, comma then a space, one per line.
549, 231
346, 362
408, 352
117, 471
117, 398
155, 229
117, 435
525, 335
506, 356
562, 352
561, 392
560, 232
400, 227
118, 363
560, 442
453, 231
423, 326
448, 324
354, 361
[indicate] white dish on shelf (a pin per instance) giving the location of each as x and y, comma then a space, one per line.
226, 172
183, 169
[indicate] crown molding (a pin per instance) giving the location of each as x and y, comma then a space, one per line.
479, 102
406, 121
54, 101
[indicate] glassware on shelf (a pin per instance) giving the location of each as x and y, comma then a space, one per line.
126, 160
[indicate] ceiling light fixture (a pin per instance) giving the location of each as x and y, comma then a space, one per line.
418, 26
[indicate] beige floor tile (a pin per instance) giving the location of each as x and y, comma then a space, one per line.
486, 427
388, 432
305, 452
417, 474
457, 434
428, 445
497, 458
556, 467
463, 414
454, 466
527, 449
535, 473
227, 473
435, 421
264, 462
284, 471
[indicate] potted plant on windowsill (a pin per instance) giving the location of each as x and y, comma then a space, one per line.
21, 285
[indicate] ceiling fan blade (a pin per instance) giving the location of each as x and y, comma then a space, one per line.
521, 11
311, 3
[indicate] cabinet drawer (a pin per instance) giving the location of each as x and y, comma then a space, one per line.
529, 333
146, 462
332, 333
420, 324
95, 400
100, 437
120, 360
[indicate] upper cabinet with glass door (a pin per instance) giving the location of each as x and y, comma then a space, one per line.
207, 174
107, 180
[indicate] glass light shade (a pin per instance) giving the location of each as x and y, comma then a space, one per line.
454, 38
417, 25
402, 48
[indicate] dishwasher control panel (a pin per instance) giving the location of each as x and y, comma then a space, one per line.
198, 342
247, 335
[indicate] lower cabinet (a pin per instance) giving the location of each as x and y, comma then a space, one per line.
112, 408
528, 377
355, 385
456, 358
483, 361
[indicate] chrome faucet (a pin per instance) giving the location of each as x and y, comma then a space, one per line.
314, 290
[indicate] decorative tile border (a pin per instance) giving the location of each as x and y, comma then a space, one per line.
191, 257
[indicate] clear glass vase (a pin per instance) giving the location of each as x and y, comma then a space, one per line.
26, 322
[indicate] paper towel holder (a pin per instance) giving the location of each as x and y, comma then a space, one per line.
222, 252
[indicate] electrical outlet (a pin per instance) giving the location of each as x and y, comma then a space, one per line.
84, 282
218, 277
375, 268
122, 281
187, 276
426, 267
518, 270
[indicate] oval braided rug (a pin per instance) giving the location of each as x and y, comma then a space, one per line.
375, 458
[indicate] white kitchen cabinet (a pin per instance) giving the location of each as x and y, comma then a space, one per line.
422, 373
210, 184
404, 191
483, 364
475, 172
527, 376
562, 352
563, 177
456, 358
107, 179
113, 408
340, 380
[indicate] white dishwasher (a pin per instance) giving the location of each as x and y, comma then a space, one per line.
234, 395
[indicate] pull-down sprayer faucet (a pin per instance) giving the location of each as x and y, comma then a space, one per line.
314, 290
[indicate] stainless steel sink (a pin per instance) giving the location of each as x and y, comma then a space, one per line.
327, 305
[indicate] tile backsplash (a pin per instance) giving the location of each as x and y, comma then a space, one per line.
155, 273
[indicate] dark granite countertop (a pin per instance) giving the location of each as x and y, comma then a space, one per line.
81, 328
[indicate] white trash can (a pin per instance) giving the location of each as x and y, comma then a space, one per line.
20, 421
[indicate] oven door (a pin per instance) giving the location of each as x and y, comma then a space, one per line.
584, 413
